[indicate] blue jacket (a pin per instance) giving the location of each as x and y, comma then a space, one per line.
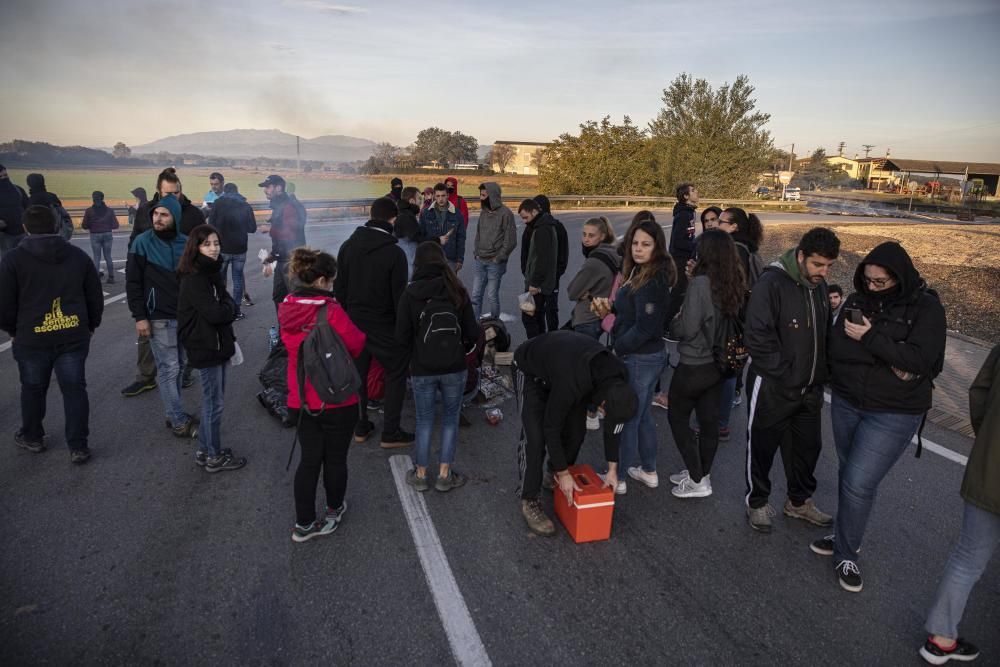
430, 230
151, 282
639, 317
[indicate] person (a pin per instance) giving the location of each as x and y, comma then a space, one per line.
441, 221
788, 318
836, 300
287, 229
597, 275
637, 337
682, 241
50, 304
38, 194
234, 220
717, 289
882, 366
451, 185
100, 220
710, 218
496, 239
152, 288
396, 190
205, 315
436, 326
980, 533
539, 257
562, 261
407, 226
216, 184
13, 201
428, 195
557, 375
140, 201
324, 431
369, 284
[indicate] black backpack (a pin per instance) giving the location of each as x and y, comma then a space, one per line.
438, 346
729, 352
499, 337
326, 363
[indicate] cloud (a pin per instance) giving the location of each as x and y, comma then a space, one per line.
326, 7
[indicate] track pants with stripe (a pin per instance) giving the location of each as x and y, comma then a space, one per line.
787, 420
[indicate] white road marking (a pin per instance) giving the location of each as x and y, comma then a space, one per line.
6, 346
466, 645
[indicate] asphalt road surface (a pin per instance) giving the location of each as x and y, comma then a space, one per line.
140, 557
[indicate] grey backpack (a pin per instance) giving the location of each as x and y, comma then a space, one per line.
325, 362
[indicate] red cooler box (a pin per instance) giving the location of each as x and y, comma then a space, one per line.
588, 519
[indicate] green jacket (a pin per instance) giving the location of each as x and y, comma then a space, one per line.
981, 485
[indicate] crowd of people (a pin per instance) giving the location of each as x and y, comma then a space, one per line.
677, 323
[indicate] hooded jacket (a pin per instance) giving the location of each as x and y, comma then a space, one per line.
13, 201
234, 218
151, 282
205, 315
746, 248
787, 324
594, 279
288, 226
39, 196
49, 292
981, 484
371, 277
562, 259
541, 261
432, 230
908, 333
296, 316
428, 283
694, 327
682, 234
496, 231
191, 217
460, 204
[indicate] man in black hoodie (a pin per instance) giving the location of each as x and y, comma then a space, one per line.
50, 303
682, 244
539, 264
562, 261
38, 194
371, 277
234, 218
13, 201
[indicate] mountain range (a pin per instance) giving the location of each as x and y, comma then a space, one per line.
262, 143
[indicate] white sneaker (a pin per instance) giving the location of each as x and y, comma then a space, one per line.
621, 488
593, 423
650, 479
688, 488
679, 477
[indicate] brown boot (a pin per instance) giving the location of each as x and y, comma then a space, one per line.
536, 519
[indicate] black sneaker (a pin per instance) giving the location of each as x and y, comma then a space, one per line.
420, 484
963, 651
849, 576
363, 430
315, 529
201, 457
166, 422
138, 387
453, 481
823, 546
246, 300
240, 316
396, 440
374, 405
30, 445
188, 430
337, 514
224, 462
187, 380
79, 456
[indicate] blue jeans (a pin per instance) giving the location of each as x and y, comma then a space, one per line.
170, 359
726, 403
487, 279
976, 545
639, 435
592, 329
868, 445
35, 366
425, 389
101, 242
213, 391
237, 262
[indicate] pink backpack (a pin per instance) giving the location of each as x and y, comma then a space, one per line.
608, 323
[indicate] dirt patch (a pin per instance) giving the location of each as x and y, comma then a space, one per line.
961, 262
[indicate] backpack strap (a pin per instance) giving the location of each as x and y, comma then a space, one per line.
606, 261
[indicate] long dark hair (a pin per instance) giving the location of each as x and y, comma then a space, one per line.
749, 224
661, 261
197, 236
430, 254
718, 259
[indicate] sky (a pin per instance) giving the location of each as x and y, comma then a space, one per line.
915, 77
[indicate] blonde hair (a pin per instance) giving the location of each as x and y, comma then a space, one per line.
604, 225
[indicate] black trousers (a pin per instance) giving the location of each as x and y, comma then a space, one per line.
279, 285
381, 344
324, 440
531, 449
535, 324
552, 310
697, 388
787, 420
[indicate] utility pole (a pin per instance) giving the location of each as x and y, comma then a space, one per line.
298, 156
868, 148
840, 148
791, 156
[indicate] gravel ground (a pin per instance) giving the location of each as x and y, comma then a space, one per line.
961, 262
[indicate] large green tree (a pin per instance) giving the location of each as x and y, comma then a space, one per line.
434, 143
604, 159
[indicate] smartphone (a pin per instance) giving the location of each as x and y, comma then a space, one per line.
854, 316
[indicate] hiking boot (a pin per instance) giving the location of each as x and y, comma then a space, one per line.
420, 484
336, 515
224, 462
30, 445
849, 576
188, 430
962, 651
363, 430
201, 457
315, 529
138, 387
679, 477
808, 511
79, 456
760, 518
396, 440
593, 423
689, 488
535, 517
650, 479
452, 481
823, 546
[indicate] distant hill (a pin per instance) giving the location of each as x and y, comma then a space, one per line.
20, 153
262, 143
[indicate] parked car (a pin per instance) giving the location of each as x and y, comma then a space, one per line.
793, 194
762, 191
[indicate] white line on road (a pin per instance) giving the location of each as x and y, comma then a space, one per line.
466, 645
118, 297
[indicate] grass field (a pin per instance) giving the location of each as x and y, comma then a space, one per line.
75, 185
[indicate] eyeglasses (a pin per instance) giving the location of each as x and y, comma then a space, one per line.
877, 282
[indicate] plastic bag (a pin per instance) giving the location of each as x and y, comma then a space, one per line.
237, 357
526, 302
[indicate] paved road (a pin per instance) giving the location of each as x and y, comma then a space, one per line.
141, 557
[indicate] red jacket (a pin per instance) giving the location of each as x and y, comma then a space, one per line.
296, 315
459, 202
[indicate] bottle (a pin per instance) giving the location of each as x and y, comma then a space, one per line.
272, 339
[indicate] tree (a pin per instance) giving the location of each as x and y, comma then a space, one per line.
604, 159
818, 173
501, 155
121, 151
436, 145
384, 158
714, 138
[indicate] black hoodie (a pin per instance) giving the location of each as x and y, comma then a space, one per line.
13, 201
205, 313
562, 258
371, 277
908, 333
682, 233
49, 292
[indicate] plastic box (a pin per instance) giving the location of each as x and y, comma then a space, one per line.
588, 519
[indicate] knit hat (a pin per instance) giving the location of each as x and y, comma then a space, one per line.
396, 182
171, 204
620, 402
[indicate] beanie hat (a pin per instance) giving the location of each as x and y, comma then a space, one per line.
620, 402
171, 204
396, 182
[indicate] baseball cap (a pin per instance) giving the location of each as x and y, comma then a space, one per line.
273, 179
